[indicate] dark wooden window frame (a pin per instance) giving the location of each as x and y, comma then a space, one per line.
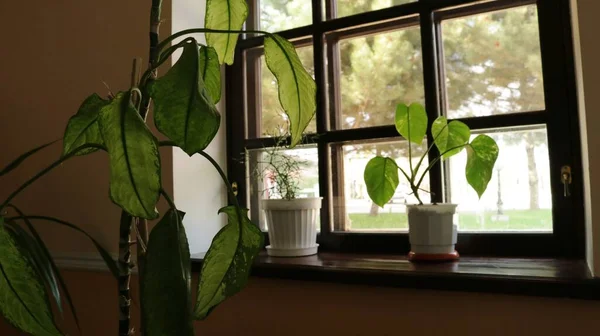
560, 117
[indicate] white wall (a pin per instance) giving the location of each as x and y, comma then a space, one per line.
198, 189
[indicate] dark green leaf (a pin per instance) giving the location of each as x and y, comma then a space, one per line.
134, 158
110, 263
82, 128
183, 109
22, 299
211, 72
411, 122
166, 290
224, 15
228, 261
450, 137
16, 162
45, 262
381, 179
297, 89
482, 153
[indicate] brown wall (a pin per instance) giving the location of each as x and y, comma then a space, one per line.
55, 53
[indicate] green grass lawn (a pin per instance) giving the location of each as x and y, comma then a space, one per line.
515, 220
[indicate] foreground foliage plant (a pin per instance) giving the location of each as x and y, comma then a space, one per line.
450, 138
184, 111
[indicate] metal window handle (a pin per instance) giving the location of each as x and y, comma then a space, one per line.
234, 187
566, 178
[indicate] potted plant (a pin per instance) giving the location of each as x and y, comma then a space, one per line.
291, 221
432, 233
184, 112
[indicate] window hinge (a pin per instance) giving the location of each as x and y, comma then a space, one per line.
566, 178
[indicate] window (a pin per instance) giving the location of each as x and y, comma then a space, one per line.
503, 67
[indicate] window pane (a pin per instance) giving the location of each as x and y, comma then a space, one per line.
493, 63
518, 197
273, 120
353, 209
351, 7
278, 15
376, 73
263, 178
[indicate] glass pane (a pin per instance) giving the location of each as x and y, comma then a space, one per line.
264, 179
353, 209
493, 63
378, 72
518, 197
278, 15
273, 119
351, 7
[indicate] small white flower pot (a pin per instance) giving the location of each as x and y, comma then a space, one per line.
292, 226
432, 233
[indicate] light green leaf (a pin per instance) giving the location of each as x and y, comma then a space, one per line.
134, 158
482, 153
450, 137
211, 72
227, 263
297, 89
381, 178
183, 108
23, 301
83, 128
166, 289
224, 15
411, 122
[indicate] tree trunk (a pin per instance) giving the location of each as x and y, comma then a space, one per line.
533, 176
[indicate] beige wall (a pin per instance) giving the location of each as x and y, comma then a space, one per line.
72, 46
53, 55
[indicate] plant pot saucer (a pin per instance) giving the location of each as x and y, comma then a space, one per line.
412, 256
294, 252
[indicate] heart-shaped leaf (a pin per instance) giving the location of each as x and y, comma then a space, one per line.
482, 153
211, 72
224, 15
381, 179
23, 301
227, 263
411, 122
297, 89
183, 108
134, 158
166, 289
450, 138
83, 128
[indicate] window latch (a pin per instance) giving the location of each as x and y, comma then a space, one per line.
234, 187
566, 178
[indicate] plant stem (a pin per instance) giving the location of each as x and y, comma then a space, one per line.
125, 266
418, 185
166, 41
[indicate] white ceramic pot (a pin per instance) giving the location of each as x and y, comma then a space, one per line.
292, 226
431, 229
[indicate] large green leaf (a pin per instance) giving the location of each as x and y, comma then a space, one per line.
183, 108
166, 289
211, 72
23, 301
297, 89
411, 122
83, 128
227, 263
134, 158
381, 179
482, 153
224, 15
450, 138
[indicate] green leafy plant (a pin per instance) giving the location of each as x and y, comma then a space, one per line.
281, 170
450, 138
184, 111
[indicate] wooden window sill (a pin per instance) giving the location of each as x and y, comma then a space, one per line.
532, 277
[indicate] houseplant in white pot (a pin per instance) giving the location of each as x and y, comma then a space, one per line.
432, 233
291, 221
